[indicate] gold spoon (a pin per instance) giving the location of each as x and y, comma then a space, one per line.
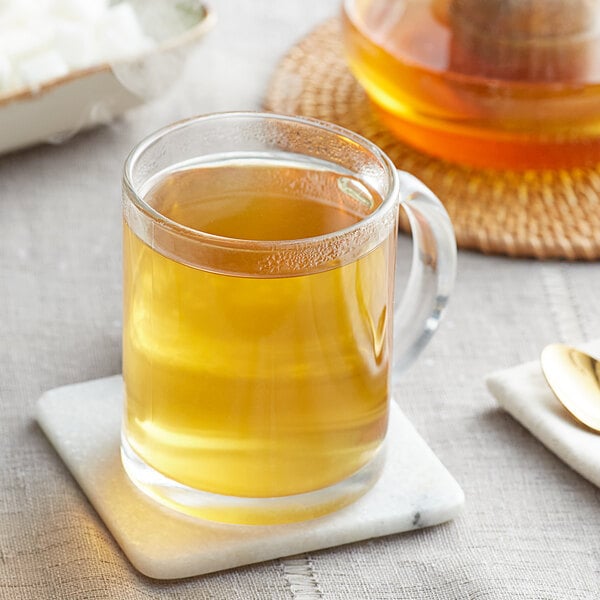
574, 377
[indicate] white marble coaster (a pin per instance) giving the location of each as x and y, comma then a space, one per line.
83, 423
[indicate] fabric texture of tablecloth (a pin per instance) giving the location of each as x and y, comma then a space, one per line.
530, 525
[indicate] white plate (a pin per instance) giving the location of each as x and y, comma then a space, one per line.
89, 97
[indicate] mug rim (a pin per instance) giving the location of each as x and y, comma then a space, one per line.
391, 197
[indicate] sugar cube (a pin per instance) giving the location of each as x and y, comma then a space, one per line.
20, 42
42, 67
119, 33
75, 43
80, 10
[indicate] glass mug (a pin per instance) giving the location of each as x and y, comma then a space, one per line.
259, 260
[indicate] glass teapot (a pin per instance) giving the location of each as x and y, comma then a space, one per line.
490, 83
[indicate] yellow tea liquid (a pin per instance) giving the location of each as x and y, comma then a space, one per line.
454, 88
256, 386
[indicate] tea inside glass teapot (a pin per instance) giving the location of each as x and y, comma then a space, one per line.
492, 83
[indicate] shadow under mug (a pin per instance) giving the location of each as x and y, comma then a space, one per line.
258, 371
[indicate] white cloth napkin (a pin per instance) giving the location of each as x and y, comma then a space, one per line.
523, 392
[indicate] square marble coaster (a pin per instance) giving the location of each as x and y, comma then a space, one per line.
83, 423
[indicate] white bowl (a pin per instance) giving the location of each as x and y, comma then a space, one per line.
88, 97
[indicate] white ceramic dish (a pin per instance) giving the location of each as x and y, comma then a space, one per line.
89, 97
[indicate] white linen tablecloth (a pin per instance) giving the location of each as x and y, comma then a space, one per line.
530, 528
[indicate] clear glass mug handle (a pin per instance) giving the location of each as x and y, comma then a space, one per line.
432, 274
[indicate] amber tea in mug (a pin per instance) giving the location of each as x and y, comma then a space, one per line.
255, 381
258, 318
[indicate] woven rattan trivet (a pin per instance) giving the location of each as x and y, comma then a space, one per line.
542, 214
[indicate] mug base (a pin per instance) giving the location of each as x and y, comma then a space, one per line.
248, 511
